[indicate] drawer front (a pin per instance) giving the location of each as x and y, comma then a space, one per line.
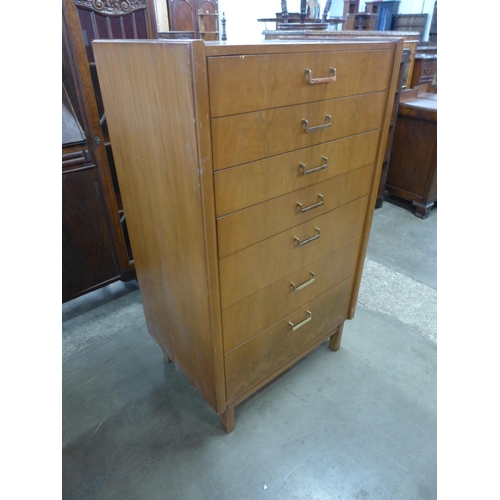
251, 225
267, 352
250, 316
427, 72
245, 272
248, 137
239, 84
255, 182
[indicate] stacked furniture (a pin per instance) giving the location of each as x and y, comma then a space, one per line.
251, 174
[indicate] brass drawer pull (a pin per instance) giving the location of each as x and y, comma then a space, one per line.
427, 70
327, 124
305, 242
297, 288
302, 323
327, 79
310, 207
324, 159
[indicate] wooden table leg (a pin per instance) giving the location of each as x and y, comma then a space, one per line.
335, 339
227, 419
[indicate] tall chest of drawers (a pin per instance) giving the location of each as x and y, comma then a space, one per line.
249, 175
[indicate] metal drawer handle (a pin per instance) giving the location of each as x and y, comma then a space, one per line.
302, 323
327, 79
305, 242
327, 124
297, 288
427, 70
324, 159
310, 207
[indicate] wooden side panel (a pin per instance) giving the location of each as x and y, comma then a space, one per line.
151, 114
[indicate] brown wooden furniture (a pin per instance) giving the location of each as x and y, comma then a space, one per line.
411, 22
410, 46
351, 7
200, 17
410, 41
96, 250
361, 21
250, 216
413, 170
424, 70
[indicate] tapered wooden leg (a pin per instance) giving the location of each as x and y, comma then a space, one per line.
227, 419
335, 339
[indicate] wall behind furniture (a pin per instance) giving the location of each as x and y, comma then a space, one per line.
242, 25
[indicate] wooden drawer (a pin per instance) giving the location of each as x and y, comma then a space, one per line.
278, 345
246, 227
424, 70
245, 272
264, 308
242, 138
240, 84
255, 182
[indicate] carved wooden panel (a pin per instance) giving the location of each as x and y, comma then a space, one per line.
182, 15
112, 7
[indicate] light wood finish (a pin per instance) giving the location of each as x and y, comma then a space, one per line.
245, 365
279, 299
334, 342
249, 270
279, 79
411, 40
242, 138
227, 418
255, 182
246, 227
170, 253
215, 299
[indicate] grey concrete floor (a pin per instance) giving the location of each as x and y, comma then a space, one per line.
356, 424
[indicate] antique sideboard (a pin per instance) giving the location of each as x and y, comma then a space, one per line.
250, 173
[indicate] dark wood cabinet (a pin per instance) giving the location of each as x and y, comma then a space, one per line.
89, 256
96, 250
413, 170
424, 70
360, 21
197, 17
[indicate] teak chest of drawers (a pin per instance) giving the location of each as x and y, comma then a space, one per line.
249, 175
